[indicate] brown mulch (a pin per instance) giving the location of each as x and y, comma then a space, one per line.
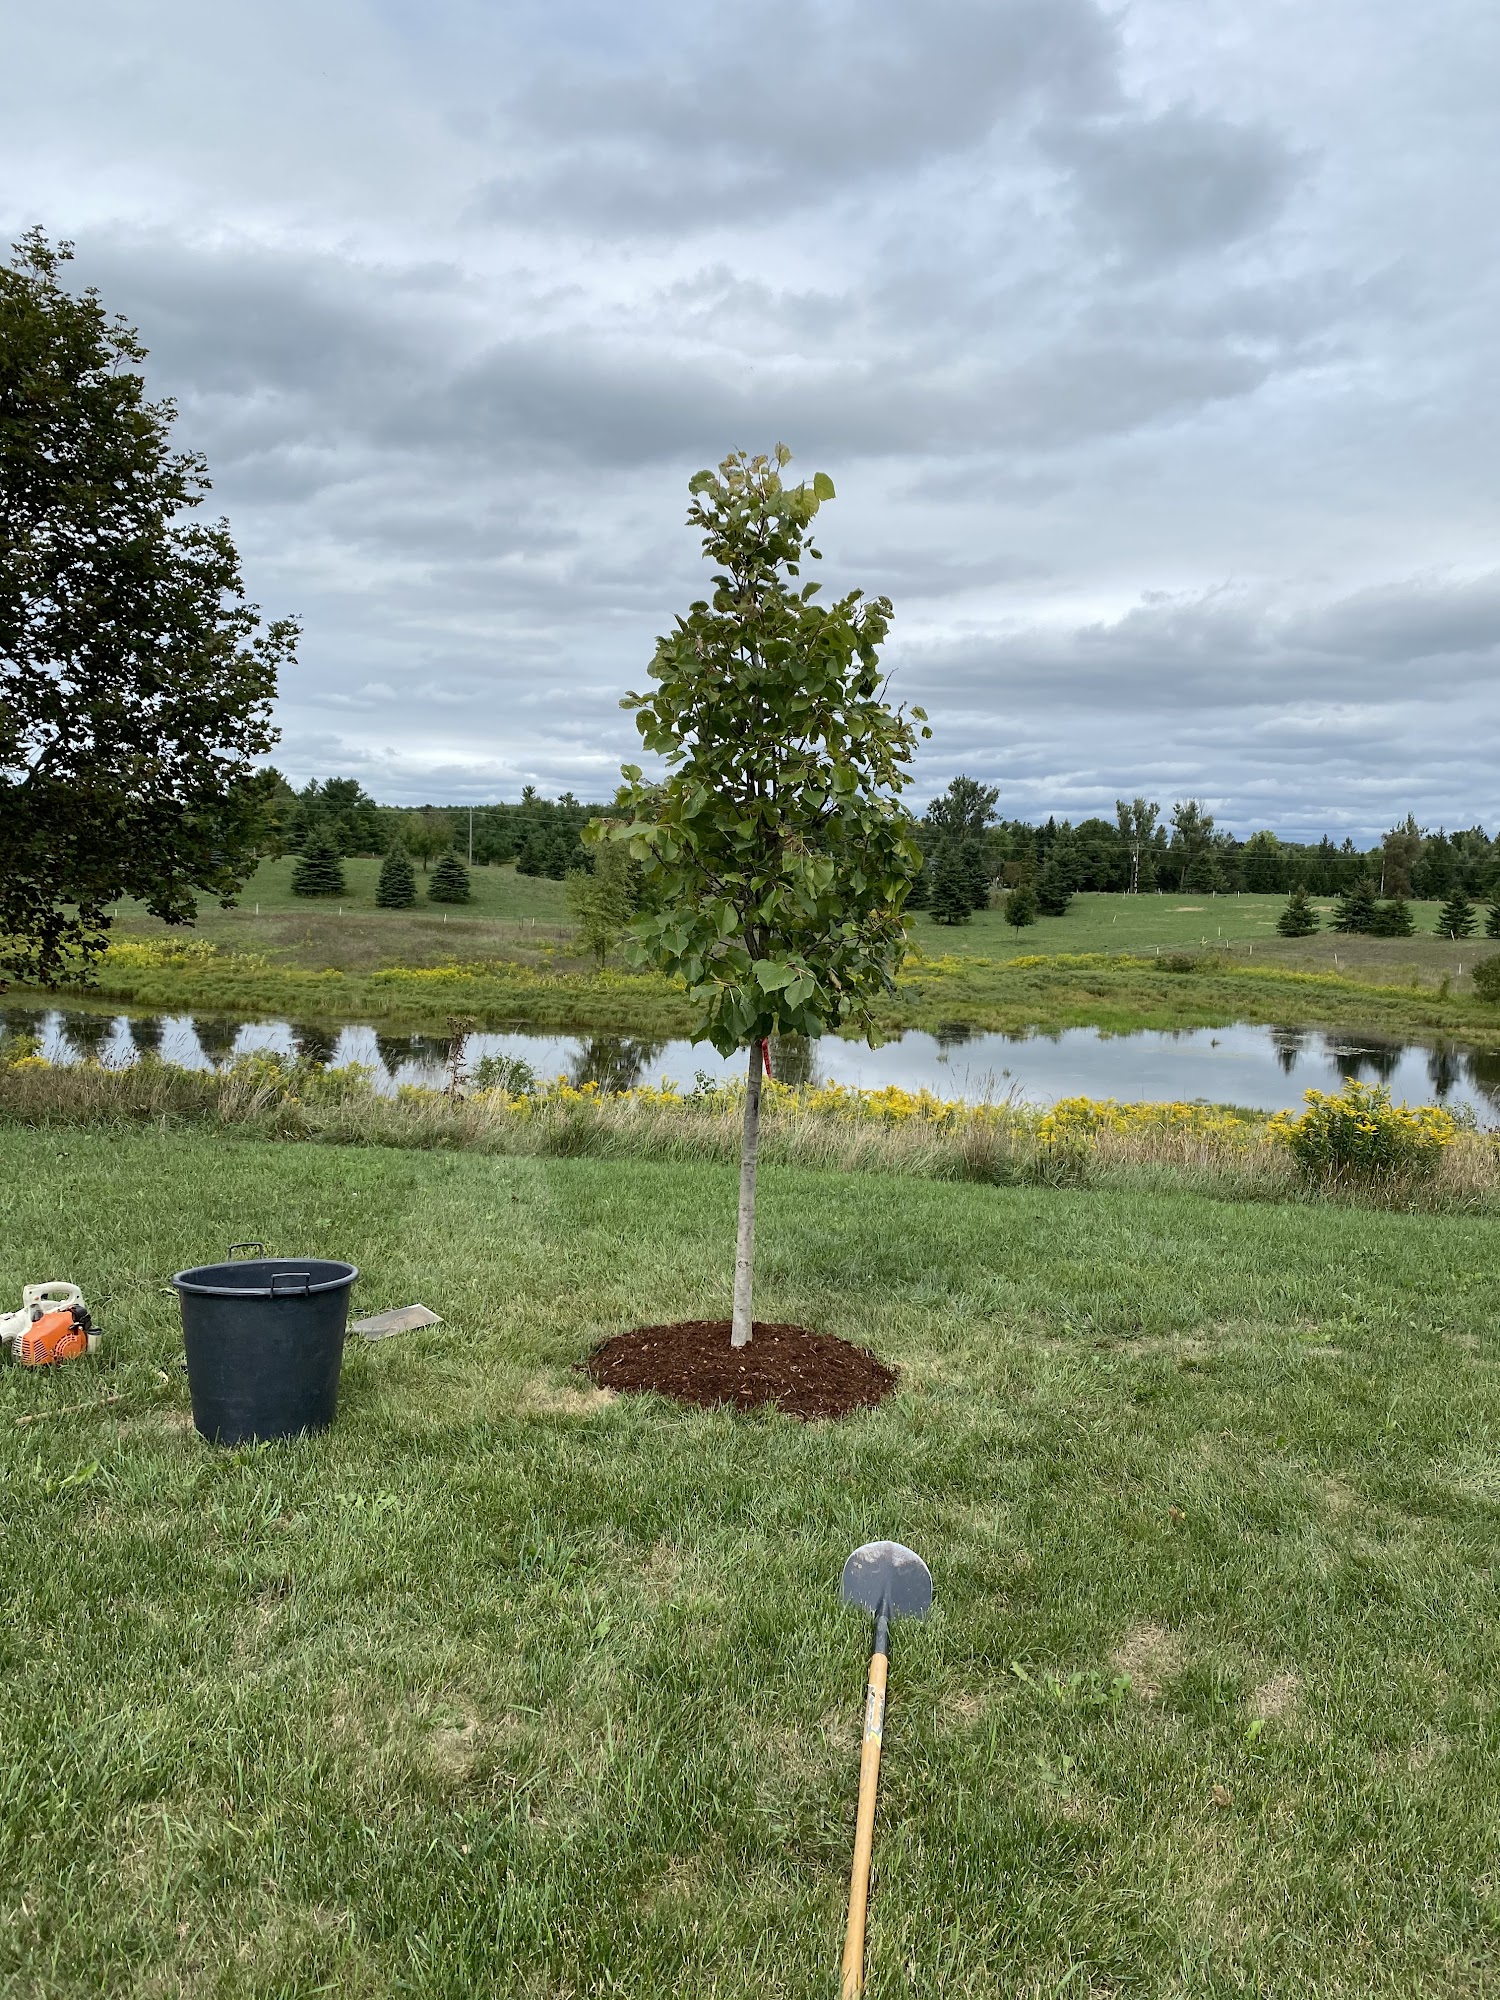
804, 1374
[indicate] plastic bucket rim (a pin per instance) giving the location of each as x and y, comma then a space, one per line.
183, 1281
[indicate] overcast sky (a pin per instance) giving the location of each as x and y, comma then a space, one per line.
1151, 347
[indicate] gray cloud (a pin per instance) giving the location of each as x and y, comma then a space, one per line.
1150, 355
1174, 185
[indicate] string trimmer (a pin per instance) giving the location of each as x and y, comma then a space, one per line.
890, 1582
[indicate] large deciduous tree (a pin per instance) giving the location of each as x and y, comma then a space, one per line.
135, 679
776, 854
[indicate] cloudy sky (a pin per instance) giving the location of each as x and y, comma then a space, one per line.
1151, 346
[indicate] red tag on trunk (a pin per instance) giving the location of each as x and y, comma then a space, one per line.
765, 1053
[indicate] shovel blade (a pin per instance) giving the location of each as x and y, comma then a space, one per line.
885, 1576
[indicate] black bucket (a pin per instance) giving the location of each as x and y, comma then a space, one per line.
265, 1341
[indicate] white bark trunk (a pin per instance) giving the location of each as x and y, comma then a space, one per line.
744, 1249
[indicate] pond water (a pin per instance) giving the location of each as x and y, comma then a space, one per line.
1266, 1068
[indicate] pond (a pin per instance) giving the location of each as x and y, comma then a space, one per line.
1265, 1068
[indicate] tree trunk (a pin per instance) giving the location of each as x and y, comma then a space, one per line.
744, 1249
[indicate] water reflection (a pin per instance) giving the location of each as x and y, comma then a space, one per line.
1268, 1068
792, 1059
613, 1062
1368, 1060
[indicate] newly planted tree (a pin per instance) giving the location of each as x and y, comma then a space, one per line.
397, 887
776, 854
1354, 912
450, 881
318, 872
1298, 919
1456, 918
1021, 906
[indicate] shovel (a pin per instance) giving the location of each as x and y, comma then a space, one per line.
890, 1582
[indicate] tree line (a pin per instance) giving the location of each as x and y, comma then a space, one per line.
970, 854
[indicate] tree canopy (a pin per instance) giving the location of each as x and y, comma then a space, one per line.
776, 855
135, 679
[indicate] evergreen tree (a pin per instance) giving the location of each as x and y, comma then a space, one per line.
1298, 919
1354, 912
1456, 918
397, 887
1392, 919
532, 859
1492, 918
976, 874
1053, 893
950, 897
1020, 905
450, 881
920, 892
318, 872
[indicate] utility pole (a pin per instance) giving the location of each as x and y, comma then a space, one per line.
471, 836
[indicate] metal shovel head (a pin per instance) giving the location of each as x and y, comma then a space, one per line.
885, 1576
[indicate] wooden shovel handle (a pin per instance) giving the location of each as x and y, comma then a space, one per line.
864, 1825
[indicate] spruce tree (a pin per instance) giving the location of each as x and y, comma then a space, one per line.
1053, 893
1020, 905
450, 881
976, 874
1354, 912
950, 897
1492, 918
318, 872
533, 855
397, 887
1298, 919
1392, 919
1456, 917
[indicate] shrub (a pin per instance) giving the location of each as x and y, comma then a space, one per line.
512, 1074
1487, 978
1359, 1135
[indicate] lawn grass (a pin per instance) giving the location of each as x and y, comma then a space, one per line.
503, 1688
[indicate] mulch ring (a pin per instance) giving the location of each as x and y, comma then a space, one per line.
802, 1373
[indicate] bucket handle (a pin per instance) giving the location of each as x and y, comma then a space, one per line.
247, 1245
296, 1284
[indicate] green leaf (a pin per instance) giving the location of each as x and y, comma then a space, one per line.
822, 486
771, 976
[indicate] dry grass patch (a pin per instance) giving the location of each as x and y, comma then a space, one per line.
1149, 1656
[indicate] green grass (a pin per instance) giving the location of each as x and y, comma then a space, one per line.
504, 1689
323, 960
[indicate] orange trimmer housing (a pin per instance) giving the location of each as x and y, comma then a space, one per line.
56, 1336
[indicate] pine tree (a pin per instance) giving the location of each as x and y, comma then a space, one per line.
1456, 918
976, 874
1020, 905
397, 887
1354, 912
1053, 894
450, 881
318, 872
1298, 919
1492, 918
1392, 919
950, 897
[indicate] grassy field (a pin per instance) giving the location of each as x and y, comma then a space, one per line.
505, 1688
510, 960
525, 918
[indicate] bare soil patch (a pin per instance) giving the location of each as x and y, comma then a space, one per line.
788, 1368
